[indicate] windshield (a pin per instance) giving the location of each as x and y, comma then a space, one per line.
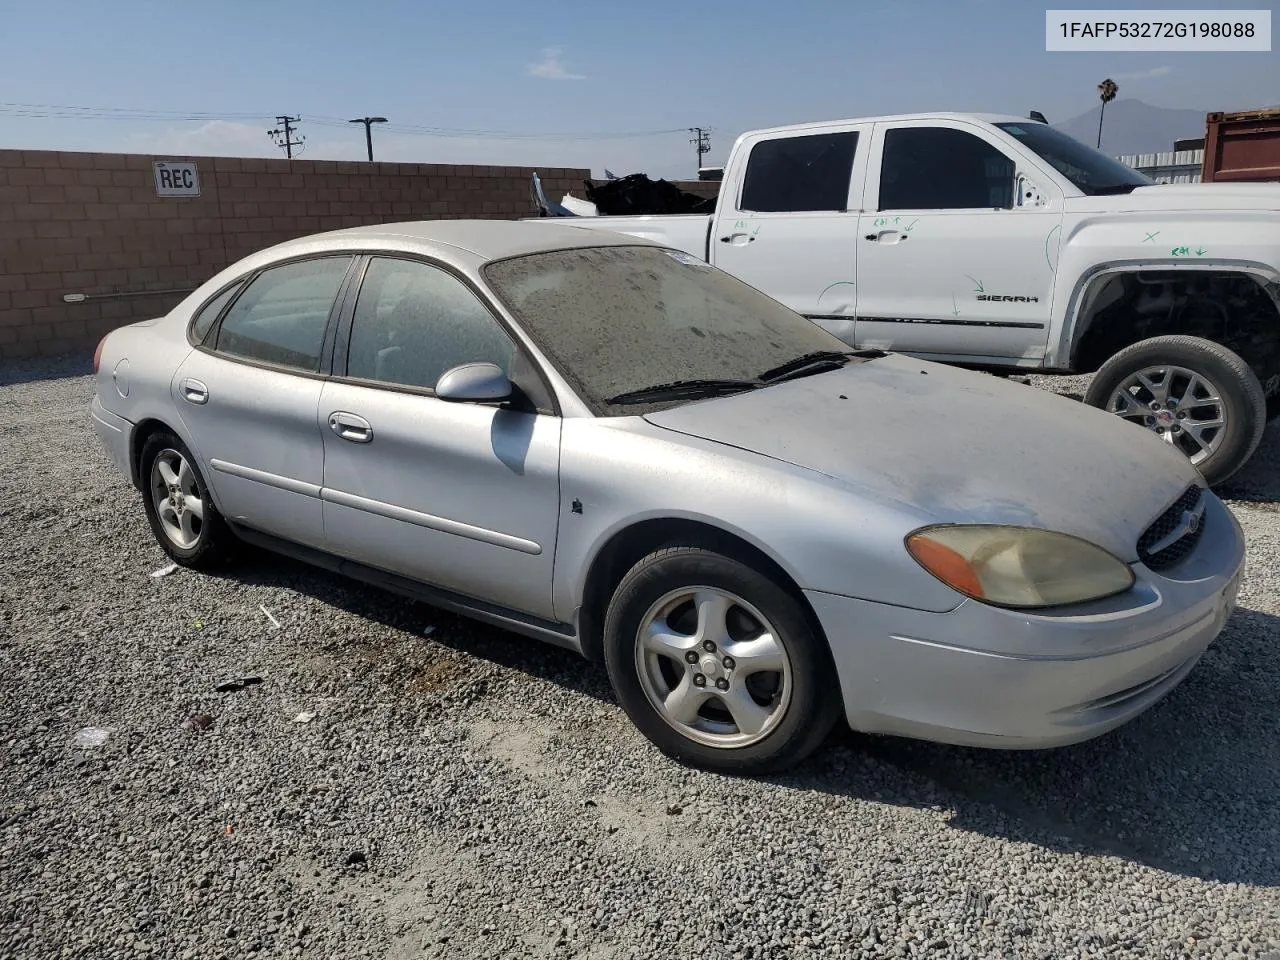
619, 319
1090, 170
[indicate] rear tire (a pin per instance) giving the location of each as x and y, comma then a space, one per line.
182, 515
760, 699
1179, 387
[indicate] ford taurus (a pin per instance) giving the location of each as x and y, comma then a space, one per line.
597, 441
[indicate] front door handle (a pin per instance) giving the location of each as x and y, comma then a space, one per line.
193, 391
738, 239
887, 236
350, 427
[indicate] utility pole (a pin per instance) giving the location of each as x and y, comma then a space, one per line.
701, 141
288, 142
368, 128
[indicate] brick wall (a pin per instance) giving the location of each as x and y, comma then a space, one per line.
91, 223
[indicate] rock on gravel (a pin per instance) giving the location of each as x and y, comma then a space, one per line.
474, 794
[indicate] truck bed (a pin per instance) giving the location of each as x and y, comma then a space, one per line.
687, 232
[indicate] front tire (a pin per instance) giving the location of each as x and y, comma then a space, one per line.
182, 515
1199, 396
717, 664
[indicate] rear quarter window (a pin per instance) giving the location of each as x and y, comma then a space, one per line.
207, 315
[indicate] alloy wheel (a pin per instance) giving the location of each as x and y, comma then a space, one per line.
713, 667
1182, 406
177, 498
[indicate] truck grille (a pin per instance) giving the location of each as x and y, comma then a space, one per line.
1175, 533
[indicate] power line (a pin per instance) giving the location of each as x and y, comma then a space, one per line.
64, 112
368, 128
701, 141
451, 132
122, 113
288, 142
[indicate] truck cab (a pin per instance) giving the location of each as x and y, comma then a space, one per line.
1001, 243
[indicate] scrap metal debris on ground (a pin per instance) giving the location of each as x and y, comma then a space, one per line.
90, 738
634, 195
231, 686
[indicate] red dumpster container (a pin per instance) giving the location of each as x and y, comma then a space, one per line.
1242, 147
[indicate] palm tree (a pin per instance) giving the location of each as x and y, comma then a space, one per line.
1107, 91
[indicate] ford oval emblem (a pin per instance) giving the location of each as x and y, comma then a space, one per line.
1192, 520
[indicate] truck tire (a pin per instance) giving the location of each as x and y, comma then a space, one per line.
1199, 396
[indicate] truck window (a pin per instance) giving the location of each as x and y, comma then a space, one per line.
797, 174
938, 168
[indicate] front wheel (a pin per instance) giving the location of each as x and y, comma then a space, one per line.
1197, 395
717, 664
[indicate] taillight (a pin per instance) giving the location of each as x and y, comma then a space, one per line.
97, 354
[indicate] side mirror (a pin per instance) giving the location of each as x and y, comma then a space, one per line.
474, 383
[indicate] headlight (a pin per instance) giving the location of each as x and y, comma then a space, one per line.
1018, 566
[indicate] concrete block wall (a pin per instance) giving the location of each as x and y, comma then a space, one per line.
92, 224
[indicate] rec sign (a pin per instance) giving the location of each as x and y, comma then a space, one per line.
176, 178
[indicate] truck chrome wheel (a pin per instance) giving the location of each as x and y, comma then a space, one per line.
1182, 406
713, 667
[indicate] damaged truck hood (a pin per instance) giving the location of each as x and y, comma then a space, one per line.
956, 446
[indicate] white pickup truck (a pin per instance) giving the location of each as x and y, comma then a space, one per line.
1005, 245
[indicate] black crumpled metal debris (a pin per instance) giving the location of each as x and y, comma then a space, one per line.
637, 195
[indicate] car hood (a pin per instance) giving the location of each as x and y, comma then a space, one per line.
1184, 197
956, 446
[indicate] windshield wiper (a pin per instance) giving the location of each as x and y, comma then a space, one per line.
684, 390
806, 364
1114, 188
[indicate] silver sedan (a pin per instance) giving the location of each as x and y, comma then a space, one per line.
603, 443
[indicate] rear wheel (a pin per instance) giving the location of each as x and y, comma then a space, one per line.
717, 664
182, 515
1197, 395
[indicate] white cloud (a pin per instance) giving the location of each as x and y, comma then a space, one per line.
216, 138
551, 67
1151, 74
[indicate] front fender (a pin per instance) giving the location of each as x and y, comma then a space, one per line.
821, 533
1095, 248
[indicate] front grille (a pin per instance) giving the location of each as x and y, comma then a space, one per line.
1156, 549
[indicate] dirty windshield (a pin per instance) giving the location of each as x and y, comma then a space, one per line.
1091, 171
616, 320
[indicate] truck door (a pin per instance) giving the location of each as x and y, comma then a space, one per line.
953, 259
787, 222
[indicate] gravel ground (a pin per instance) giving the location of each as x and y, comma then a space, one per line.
474, 794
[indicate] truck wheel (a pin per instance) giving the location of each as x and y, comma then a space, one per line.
1199, 396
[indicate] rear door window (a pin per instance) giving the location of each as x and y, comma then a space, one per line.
281, 316
800, 174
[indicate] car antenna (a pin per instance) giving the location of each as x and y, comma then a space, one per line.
1037, 116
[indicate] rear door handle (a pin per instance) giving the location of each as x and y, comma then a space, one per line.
350, 427
888, 236
738, 239
193, 391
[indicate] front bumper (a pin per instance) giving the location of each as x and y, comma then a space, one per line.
982, 676
115, 433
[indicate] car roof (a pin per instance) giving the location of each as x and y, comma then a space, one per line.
894, 118
483, 239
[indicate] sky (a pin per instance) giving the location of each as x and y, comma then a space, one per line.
603, 85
